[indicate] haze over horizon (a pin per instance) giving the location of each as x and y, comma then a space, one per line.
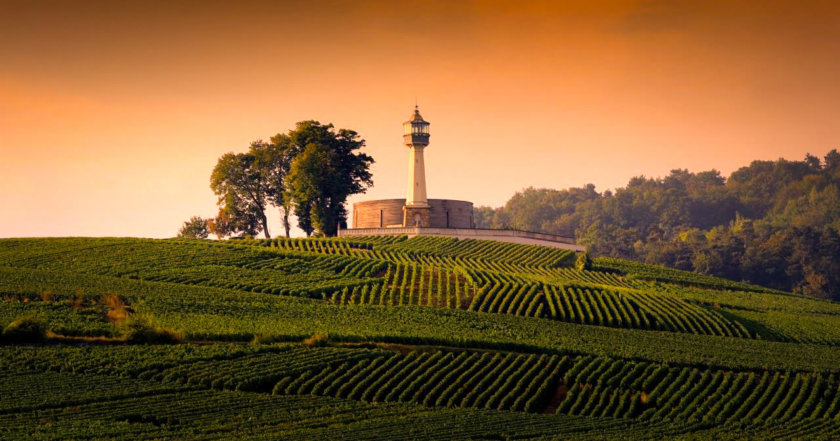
112, 115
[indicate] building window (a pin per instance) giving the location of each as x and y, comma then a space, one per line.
447, 219
381, 219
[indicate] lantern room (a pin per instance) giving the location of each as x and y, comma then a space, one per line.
416, 130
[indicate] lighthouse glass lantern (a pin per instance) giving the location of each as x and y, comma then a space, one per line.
416, 130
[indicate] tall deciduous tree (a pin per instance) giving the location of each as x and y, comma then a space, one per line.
242, 193
326, 170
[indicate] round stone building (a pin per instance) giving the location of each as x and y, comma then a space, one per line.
416, 210
389, 213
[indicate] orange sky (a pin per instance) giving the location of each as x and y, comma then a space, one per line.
112, 114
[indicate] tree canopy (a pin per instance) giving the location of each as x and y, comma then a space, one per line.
324, 173
195, 228
310, 170
241, 188
774, 223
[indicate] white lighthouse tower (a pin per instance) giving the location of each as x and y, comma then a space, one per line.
417, 211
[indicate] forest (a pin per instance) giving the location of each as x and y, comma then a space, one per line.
771, 223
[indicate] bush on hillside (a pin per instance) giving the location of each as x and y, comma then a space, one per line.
583, 261
140, 330
316, 340
27, 329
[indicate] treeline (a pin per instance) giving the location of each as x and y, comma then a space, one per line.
309, 172
772, 223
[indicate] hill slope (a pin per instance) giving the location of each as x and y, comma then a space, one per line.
422, 338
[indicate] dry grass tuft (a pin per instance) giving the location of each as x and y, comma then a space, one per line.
118, 311
319, 339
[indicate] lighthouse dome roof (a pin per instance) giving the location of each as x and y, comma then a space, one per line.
416, 117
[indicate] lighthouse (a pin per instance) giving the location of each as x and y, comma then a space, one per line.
416, 212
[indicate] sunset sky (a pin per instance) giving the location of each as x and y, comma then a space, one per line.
113, 113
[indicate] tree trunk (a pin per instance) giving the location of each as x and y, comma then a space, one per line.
265, 225
286, 223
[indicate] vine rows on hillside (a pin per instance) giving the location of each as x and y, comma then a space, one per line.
620, 388
412, 284
466, 379
530, 255
254, 372
595, 306
671, 275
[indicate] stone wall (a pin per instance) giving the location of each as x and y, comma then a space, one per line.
460, 213
389, 212
378, 214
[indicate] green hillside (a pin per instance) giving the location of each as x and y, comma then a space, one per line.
395, 338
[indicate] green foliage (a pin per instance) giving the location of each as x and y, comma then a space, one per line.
241, 188
251, 272
27, 329
145, 413
772, 223
324, 172
311, 169
195, 228
670, 275
583, 262
429, 338
272, 161
140, 330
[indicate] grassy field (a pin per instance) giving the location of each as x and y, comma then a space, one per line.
396, 338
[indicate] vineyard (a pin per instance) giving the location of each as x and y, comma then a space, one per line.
398, 338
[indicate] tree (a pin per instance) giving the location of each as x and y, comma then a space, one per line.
272, 161
483, 216
326, 169
242, 191
306, 179
195, 228
234, 218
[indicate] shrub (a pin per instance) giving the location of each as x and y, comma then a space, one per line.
27, 329
583, 261
195, 228
140, 330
